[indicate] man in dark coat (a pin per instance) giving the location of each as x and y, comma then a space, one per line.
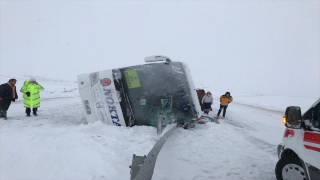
8, 93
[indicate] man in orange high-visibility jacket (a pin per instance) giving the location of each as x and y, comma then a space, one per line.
224, 102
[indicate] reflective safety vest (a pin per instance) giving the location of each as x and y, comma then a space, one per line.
33, 101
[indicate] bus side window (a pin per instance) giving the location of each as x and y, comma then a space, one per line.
316, 117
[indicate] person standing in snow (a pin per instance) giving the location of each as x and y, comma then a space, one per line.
200, 93
31, 95
224, 102
8, 93
207, 100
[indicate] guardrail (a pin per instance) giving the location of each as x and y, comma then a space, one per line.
143, 166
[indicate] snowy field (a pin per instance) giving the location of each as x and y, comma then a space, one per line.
58, 144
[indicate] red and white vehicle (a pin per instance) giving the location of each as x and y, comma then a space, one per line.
299, 152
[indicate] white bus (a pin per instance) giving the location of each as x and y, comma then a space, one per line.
136, 95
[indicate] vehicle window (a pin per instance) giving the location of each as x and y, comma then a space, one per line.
316, 117
308, 115
154, 88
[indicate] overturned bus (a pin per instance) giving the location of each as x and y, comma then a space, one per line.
136, 95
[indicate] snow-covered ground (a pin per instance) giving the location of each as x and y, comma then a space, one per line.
267, 101
59, 144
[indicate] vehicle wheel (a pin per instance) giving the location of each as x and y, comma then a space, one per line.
290, 169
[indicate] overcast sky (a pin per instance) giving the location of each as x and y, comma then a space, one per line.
238, 46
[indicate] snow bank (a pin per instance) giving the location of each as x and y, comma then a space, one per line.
58, 145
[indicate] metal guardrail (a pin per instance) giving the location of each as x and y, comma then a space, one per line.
143, 166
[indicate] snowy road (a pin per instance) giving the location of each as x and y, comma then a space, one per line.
243, 146
59, 145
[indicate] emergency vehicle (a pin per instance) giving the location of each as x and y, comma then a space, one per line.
136, 95
299, 152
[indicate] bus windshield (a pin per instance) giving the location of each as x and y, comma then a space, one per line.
150, 89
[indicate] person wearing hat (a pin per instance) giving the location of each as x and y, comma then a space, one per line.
224, 102
31, 95
8, 93
207, 100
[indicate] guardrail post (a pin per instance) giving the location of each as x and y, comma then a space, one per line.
160, 123
137, 162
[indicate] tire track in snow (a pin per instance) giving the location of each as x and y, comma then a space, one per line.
242, 128
212, 151
256, 124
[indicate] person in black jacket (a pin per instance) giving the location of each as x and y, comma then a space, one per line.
8, 93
